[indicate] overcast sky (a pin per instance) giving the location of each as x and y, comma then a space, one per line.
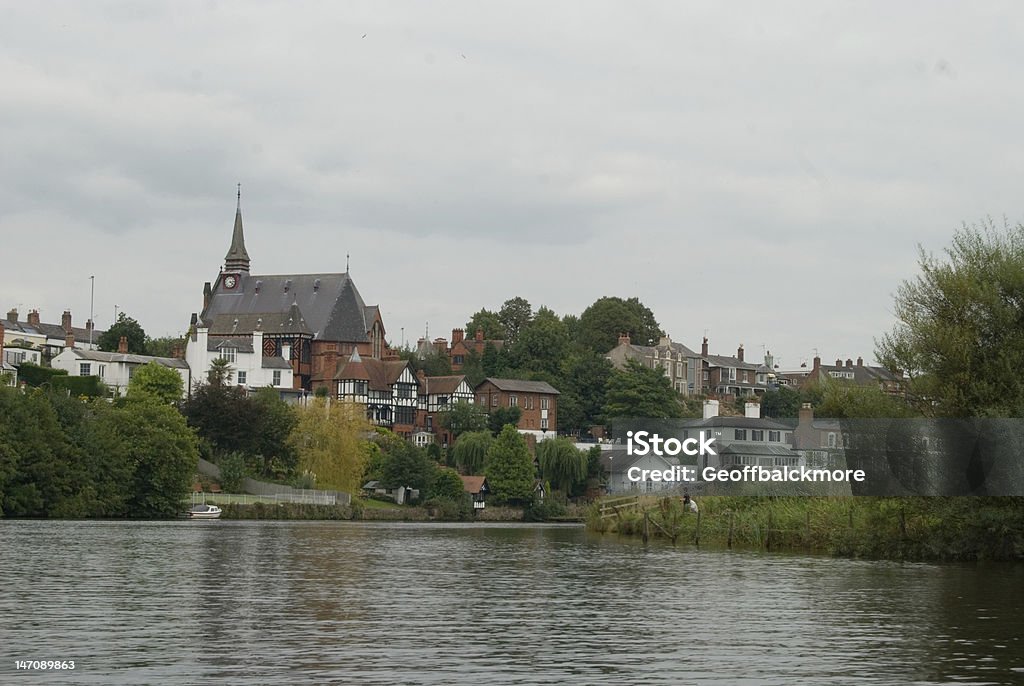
762, 172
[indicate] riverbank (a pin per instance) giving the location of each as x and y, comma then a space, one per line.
376, 512
913, 528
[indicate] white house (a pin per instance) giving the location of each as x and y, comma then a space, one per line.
250, 368
115, 369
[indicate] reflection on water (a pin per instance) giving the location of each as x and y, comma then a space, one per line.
379, 603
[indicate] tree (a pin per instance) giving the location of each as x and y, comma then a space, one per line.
165, 453
447, 484
406, 465
960, 330
781, 403
541, 344
492, 361
125, 326
510, 471
163, 383
502, 417
219, 373
328, 439
601, 324
461, 417
274, 420
233, 471
470, 451
515, 315
640, 392
844, 400
164, 346
561, 463
488, 322
585, 376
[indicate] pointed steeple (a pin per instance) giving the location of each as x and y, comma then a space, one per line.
237, 259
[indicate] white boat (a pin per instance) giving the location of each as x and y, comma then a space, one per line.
204, 511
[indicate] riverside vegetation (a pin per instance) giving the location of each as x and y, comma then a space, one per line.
904, 528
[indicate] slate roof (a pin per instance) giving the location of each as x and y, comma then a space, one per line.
54, 331
724, 361
518, 386
275, 363
736, 422
327, 306
242, 345
129, 358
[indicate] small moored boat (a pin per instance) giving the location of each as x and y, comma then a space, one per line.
204, 511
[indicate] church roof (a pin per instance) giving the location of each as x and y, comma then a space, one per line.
326, 306
237, 256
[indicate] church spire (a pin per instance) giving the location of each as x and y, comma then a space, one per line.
237, 259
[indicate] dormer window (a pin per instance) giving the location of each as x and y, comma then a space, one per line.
229, 354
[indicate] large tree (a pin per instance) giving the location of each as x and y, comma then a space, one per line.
510, 471
603, 322
470, 451
163, 383
488, 322
328, 439
461, 417
640, 392
584, 379
960, 330
562, 463
515, 315
541, 345
130, 329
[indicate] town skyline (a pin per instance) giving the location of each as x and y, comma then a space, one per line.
765, 180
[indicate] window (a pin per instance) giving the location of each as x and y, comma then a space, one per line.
706, 375
544, 423
360, 387
529, 402
241, 378
481, 399
756, 435
544, 403
405, 390
831, 440
84, 369
494, 400
740, 434
513, 401
277, 377
457, 359
405, 414
102, 369
773, 436
441, 400
229, 354
679, 369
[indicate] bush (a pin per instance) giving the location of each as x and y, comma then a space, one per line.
233, 471
450, 510
543, 510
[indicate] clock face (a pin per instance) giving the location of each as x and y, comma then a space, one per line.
230, 281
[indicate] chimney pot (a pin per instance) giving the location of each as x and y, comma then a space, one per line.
704, 347
33, 318
849, 362
122, 345
739, 353
12, 315
839, 363
69, 340
624, 339
458, 335
817, 363
65, 321
860, 361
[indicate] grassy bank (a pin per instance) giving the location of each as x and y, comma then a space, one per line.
370, 510
877, 528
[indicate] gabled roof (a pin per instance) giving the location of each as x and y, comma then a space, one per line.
242, 345
518, 386
326, 306
443, 384
381, 374
473, 484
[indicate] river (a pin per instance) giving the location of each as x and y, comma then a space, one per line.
193, 602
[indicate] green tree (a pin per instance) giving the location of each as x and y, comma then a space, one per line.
233, 471
601, 324
219, 373
163, 383
461, 417
493, 361
488, 322
274, 420
562, 464
843, 400
406, 465
510, 471
164, 346
328, 439
502, 417
960, 330
447, 484
583, 384
515, 315
165, 453
640, 392
130, 329
470, 452
541, 344
781, 403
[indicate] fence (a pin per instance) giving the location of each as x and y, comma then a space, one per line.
281, 493
300, 498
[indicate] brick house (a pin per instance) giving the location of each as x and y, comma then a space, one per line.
727, 377
677, 362
438, 394
536, 400
461, 347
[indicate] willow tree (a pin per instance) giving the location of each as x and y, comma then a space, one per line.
470, 451
960, 330
561, 463
330, 440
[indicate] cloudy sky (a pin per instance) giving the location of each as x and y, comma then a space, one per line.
762, 173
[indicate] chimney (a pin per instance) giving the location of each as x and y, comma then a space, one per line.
752, 410
769, 360
710, 408
806, 414
33, 318
441, 346
839, 363
457, 336
739, 353
12, 315
817, 363
704, 347
65, 321
666, 341
122, 345
849, 362
624, 339
480, 335
176, 351
69, 341
207, 294
421, 376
